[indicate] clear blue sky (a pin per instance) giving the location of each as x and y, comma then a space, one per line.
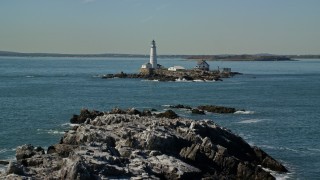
178, 26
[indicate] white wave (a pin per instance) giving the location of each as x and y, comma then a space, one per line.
313, 149
248, 121
51, 131
3, 150
6, 150
278, 176
29, 76
166, 105
244, 112
181, 79
198, 80
279, 148
155, 80
55, 132
69, 124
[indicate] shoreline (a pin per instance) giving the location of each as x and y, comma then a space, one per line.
134, 144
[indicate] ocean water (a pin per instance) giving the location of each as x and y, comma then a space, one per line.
280, 100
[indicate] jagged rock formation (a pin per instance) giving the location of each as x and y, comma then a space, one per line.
130, 145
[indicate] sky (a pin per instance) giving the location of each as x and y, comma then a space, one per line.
177, 26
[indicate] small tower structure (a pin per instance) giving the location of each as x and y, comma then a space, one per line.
153, 55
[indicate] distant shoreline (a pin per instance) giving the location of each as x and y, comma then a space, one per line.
243, 57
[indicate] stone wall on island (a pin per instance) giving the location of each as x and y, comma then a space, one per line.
123, 144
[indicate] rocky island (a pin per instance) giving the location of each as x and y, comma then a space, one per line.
130, 144
185, 75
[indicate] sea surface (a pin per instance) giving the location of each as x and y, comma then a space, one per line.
281, 100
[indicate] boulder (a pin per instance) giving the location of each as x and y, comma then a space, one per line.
117, 111
167, 114
15, 168
27, 151
84, 115
133, 111
197, 111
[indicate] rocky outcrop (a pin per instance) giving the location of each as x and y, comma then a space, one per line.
197, 111
209, 108
217, 109
144, 147
84, 115
165, 75
167, 114
181, 106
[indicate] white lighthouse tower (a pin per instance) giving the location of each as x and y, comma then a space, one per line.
153, 55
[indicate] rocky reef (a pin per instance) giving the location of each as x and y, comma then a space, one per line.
129, 144
185, 75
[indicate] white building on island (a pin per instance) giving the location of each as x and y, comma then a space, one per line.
176, 68
202, 65
152, 64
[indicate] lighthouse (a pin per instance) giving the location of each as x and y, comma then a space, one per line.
153, 55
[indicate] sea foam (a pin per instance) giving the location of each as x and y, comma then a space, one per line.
248, 121
244, 112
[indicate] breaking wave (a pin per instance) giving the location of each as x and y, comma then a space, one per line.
249, 121
50, 131
244, 112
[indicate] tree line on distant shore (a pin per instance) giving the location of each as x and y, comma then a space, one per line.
231, 57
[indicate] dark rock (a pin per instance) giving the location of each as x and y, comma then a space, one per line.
27, 151
268, 161
197, 111
217, 109
146, 113
84, 115
15, 168
4, 162
121, 75
180, 106
63, 150
51, 149
133, 111
167, 114
117, 111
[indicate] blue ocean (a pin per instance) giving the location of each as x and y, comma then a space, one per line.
38, 96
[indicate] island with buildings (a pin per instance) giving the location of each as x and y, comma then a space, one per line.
153, 71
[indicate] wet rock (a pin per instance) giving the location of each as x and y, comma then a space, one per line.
4, 162
84, 115
133, 111
146, 113
217, 109
197, 111
167, 114
268, 161
180, 106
